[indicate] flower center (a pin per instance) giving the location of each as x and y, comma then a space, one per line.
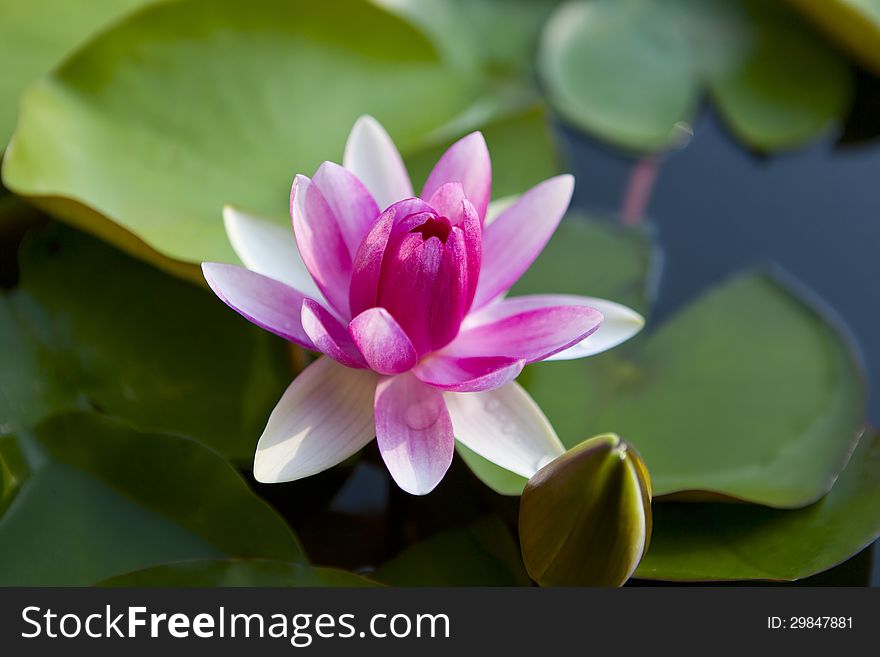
435, 226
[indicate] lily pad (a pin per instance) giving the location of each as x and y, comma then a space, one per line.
854, 24
102, 499
89, 327
733, 541
498, 37
35, 35
633, 71
611, 262
146, 132
237, 572
747, 393
481, 554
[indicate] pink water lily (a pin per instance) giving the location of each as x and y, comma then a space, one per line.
404, 296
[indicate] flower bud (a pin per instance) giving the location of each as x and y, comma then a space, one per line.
585, 517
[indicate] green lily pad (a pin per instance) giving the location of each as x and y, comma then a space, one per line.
787, 87
237, 572
585, 517
734, 541
35, 35
633, 71
854, 24
747, 393
481, 554
103, 499
145, 133
612, 263
89, 327
497, 36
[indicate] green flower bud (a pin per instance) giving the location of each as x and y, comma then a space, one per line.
585, 517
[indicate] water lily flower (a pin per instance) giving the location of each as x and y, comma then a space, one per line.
405, 298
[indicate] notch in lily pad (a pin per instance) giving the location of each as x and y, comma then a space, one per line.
585, 517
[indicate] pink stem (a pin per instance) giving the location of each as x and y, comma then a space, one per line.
638, 190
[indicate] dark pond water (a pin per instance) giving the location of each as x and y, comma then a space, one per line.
718, 208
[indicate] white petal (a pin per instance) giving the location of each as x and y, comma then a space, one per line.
505, 426
619, 324
372, 156
324, 416
269, 249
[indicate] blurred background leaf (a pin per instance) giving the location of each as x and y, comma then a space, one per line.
236, 572
186, 106
498, 38
13, 470
854, 24
585, 517
89, 327
736, 541
103, 499
747, 393
483, 553
35, 36
633, 71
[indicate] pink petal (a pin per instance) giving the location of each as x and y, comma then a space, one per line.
268, 303
524, 327
447, 201
414, 433
329, 336
468, 374
513, 241
424, 286
324, 416
367, 267
321, 243
450, 201
371, 156
348, 199
384, 345
619, 324
467, 162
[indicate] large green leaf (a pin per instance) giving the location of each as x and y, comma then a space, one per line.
632, 71
36, 34
103, 499
237, 572
735, 541
89, 327
854, 24
746, 393
585, 517
497, 36
186, 106
610, 262
787, 86
481, 554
